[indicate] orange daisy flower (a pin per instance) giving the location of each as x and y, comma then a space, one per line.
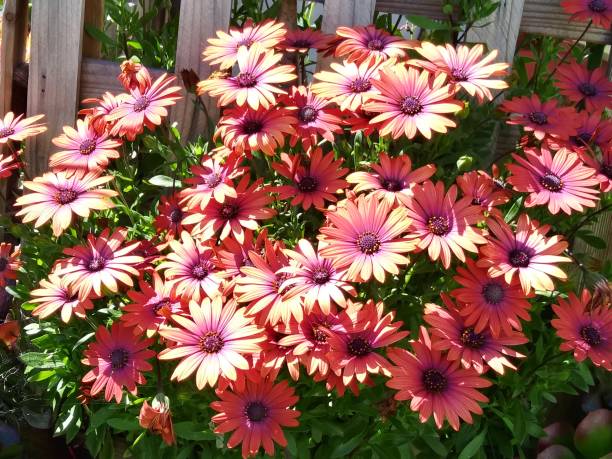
358, 43
303, 40
9, 262
58, 294
19, 128
8, 164
157, 418
134, 75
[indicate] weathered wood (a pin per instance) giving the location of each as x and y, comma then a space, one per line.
12, 49
199, 20
94, 16
287, 14
428, 8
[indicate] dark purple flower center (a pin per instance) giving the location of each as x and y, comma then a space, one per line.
212, 180
538, 118
6, 131
368, 243
66, 196
278, 283
141, 104
597, 6
459, 75
376, 44
301, 43
434, 381
256, 411
551, 182
606, 169
471, 339
199, 271
358, 347
87, 146
307, 184
438, 225
410, 106
587, 89
319, 335
307, 114
211, 342
163, 303
3, 263
583, 138
229, 211
590, 335
251, 127
360, 85
97, 263
245, 42
119, 358
477, 201
493, 293
392, 185
246, 80
321, 275
519, 258
176, 215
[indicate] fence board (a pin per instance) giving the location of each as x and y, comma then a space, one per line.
94, 16
429, 8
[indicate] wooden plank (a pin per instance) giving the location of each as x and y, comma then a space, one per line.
94, 16
12, 47
198, 21
429, 8
55, 65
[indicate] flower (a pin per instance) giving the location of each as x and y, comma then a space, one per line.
361, 42
313, 115
101, 263
408, 101
314, 182
8, 163
478, 350
562, 180
391, 178
303, 40
490, 303
144, 108
134, 75
578, 83
118, 358
224, 49
58, 294
364, 236
233, 255
591, 130
9, 262
598, 11
10, 331
157, 418
170, 215
57, 195
315, 279
246, 130
19, 128
256, 415
465, 67
441, 224
192, 268
541, 118
103, 107
585, 328
213, 341
483, 191
435, 385
603, 168
362, 330
527, 252
259, 71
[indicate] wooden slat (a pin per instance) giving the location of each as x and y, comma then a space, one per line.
199, 20
94, 16
12, 49
429, 8
55, 65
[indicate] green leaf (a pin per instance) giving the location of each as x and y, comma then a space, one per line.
190, 431
433, 441
134, 44
99, 35
128, 424
165, 181
514, 210
592, 240
426, 23
344, 448
473, 446
41, 360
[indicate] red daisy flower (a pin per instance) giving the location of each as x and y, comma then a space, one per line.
170, 216
303, 40
212, 342
9, 262
435, 385
157, 418
274, 356
57, 294
233, 255
313, 183
361, 42
57, 195
333, 381
8, 164
364, 236
527, 252
118, 358
409, 101
598, 11
391, 178
585, 328
602, 166
19, 128
103, 107
83, 149
562, 181
256, 415
592, 130
134, 75
578, 83
490, 303
361, 120
483, 191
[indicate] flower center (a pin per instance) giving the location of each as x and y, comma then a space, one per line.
358, 347
176, 215
368, 243
321, 275
319, 335
307, 184
229, 211
538, 118
493, 293
256, 411
6, 131
597, 6
252, 127
438, 225
471, 339
376, 44
141, 104
360, 85
307, 114
551, 182
245, 42
392, 185
587, 89
278, 282
66, 196
199, 271
246, 80
583, 138
162, 304
3, 264
87, 146
606, 169
590, 335
303, 43
434, 381
459, 75
213, 180
477, 201
96, 264
119, 358
519, 258
410, 106
211, 342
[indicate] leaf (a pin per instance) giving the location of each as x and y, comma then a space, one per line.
426, 23
100, 417
83, 340
344, 448
41, 360
99, 35
190, 431
473, 446
128, 424
165, 181
514, 210
433, 441
134, 44
592, 240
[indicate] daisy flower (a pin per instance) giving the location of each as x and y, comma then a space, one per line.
170, 216
134, 75
592, 130
142, 109
56, 294
435, 385
356, 342
490, 302
274, 356
562, 181
157, 418
56, 196
585, 328
315, 279
361, 120
233, 255
259, 72
83, 149
483, 191
246, 130
314, 182
364, 237
527, 252
578, 83
119, 359
211, 342
256, 415
19, 128
361, 42
598, 11
303, 40
441, 224
8, 164
465, 67
224, 49
10, 331
104, 106
541, 118
602, 166
409, 101
9, 262
101, 263
474, 350
391, 178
